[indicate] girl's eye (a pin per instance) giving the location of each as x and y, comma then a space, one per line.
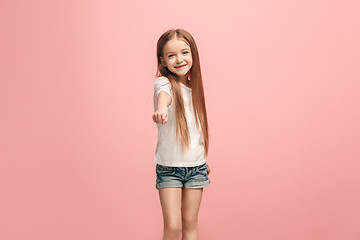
186, 52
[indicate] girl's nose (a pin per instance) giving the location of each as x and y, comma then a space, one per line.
179, 59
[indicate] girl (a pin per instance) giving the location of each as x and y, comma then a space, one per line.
183, 140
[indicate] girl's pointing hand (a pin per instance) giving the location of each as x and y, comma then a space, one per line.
160, 116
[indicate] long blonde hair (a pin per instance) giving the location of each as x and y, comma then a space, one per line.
198, 97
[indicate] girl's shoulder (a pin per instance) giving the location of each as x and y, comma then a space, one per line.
162, 80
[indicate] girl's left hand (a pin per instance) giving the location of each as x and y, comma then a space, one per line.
207, 169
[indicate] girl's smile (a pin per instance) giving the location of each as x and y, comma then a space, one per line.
181, 66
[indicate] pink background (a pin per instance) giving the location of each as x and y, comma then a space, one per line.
77, 139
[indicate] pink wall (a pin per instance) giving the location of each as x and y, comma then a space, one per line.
77, 139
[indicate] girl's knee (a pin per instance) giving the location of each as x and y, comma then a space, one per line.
189, 224
173, 227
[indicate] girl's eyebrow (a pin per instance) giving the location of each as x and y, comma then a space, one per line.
181, 50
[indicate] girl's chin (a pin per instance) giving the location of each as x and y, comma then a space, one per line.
181, 75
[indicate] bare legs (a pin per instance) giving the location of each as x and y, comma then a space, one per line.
170, 199
180, 208
191, 199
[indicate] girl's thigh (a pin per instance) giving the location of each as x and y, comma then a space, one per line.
191, 200
170, 199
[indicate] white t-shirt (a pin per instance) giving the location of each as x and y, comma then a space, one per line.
168, 149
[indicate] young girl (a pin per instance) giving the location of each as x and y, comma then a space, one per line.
183, 140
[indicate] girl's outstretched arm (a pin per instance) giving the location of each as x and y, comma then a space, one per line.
161, 113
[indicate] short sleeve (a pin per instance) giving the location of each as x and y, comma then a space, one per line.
161, 84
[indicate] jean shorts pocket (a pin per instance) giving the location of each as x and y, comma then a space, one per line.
202, 169
165, 169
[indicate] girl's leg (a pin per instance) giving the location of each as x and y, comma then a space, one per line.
170, 199
191, 199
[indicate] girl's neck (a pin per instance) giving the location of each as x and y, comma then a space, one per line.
184, 80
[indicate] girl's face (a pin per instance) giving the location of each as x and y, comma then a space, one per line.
177, 57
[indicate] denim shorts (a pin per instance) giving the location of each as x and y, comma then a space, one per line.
184, 177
